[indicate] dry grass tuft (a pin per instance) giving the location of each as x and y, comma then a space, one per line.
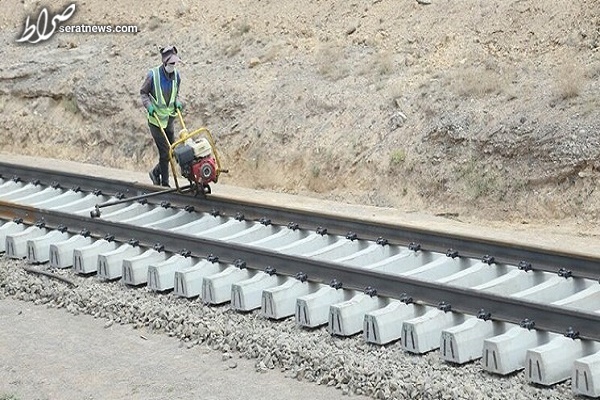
241, 28
477, 82
384, 62
397, 157
478, 180
272, 52
570, 80
329, 57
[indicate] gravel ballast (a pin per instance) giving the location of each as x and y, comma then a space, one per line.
348, 364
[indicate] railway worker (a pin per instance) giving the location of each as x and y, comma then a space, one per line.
160, 97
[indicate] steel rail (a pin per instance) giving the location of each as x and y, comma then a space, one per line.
580, 265
465, 300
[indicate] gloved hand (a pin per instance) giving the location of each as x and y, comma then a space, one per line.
178, 105
151, 109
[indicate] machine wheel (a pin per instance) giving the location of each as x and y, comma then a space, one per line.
195, 189
199, 191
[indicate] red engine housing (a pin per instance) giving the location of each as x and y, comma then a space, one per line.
204, 170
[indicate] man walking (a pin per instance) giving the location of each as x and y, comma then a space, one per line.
159, 94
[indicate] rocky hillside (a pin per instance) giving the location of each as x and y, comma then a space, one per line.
482, 107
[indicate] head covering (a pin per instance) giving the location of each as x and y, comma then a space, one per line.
169, 55
171, 59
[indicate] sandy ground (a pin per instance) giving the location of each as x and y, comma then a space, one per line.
51, 354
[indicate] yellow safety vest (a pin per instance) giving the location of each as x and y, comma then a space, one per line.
161, 108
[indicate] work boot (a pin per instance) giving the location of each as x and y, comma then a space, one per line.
154, 177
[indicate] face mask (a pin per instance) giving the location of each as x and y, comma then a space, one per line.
169, 68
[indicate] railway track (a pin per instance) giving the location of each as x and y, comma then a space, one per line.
513, 307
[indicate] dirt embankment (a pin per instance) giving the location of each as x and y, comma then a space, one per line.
487, 108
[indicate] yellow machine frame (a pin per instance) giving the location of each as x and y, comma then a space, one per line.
185, 135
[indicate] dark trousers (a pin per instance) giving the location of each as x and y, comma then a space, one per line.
162, 168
